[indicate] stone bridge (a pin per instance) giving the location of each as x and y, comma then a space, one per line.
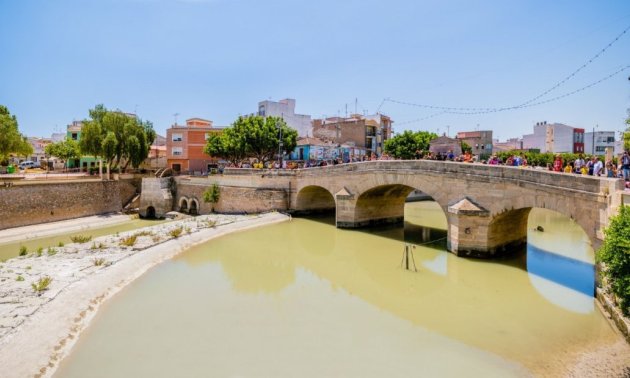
486, 206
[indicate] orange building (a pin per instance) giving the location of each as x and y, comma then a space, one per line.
185, 144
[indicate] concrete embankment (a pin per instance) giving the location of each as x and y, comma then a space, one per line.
37, 329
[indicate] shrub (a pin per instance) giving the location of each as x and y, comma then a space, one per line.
60, 244
615, 255
23, 251
40, 250
81, 238
19, 278
129, 241
52, 251
176, 232
212, 195
156, 238
41, 284
144, 233
99, 262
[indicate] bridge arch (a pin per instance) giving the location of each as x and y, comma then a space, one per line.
193, 206
314, 199
183, 205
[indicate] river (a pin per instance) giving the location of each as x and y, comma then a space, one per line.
303, 298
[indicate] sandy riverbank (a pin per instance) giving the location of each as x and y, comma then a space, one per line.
37, 331
71, 225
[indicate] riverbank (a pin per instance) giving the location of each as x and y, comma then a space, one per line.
25, 233
37, 329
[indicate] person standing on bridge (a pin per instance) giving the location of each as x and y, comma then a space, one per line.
597, 167
557, 164
625, 166
578, 164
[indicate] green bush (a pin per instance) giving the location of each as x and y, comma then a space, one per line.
23, 251
42, 284
128, 241
80, 238
176, 232
615, 255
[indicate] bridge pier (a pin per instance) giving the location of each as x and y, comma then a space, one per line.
473, 233
379, 210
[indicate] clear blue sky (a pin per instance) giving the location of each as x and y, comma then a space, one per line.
216, 59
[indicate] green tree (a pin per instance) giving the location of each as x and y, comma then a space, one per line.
212, 195
117, 137
466, 147
252, 137
11, 140
405, 145
615, 256
65, 150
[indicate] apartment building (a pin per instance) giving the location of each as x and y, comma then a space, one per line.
479, 141
286, 109
555, 137
185, 145
368, 132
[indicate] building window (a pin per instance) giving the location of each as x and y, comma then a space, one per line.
177, 151
261, 110
611, 139
600, 148
176, 167
75, 136
177, 137
207, 136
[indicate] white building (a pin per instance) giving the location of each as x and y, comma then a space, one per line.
551, 137
596, 143
286, 109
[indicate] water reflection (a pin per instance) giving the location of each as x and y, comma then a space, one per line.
336, 302
570, 273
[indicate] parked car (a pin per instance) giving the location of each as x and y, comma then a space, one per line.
29, 164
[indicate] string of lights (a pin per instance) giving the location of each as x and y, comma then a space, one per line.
531, 102
570, 76
522, 106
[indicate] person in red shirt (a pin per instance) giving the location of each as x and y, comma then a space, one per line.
557, 164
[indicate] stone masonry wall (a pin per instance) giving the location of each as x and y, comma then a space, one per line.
235, 199
33, 203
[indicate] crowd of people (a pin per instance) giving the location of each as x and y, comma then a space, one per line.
592, 166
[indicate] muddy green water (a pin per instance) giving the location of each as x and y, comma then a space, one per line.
303, 298
9, 250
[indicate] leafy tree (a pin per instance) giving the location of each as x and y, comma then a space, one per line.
117, 137
615, 254
11, 140
252, 137
405, 145
466, 147
65, 150
212, 195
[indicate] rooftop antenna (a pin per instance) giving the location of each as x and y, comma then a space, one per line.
175, 115
356, 101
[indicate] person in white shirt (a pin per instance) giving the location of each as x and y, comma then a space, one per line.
597, 167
